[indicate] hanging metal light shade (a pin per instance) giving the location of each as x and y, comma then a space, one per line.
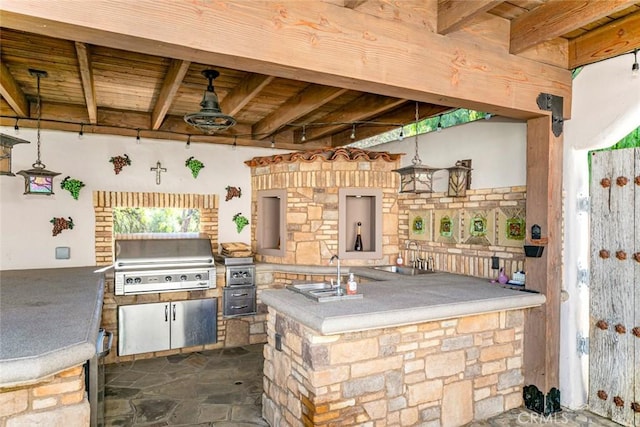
416, 178
38, 180
210, 118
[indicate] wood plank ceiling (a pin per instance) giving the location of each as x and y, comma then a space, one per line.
113, 91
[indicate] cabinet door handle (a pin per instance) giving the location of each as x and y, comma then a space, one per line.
238, 307
166, 312
174, 312
240, 295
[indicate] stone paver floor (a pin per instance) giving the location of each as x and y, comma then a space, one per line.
223, 388
211, 388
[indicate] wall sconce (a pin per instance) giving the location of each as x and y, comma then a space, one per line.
6, 144
416, 178
459, 178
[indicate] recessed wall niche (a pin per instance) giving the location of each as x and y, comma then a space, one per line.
271, 223
360, 205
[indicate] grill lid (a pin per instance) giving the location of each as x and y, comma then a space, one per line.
163, 250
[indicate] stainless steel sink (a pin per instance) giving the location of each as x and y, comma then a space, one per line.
321, 292
405, 271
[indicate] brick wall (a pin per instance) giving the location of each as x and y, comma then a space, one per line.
462, 253
56, 400
443, 373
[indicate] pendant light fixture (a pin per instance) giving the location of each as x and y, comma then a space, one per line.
210, 118
416, 178
38, 180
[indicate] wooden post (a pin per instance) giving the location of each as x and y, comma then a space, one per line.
544, 274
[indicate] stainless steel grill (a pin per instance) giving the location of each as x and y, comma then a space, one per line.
160, 263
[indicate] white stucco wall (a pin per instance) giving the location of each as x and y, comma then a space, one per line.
26, 239
606, 108
497, 148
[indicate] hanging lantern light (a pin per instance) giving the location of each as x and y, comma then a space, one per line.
459, 178
38, 180
6, 145
416, 178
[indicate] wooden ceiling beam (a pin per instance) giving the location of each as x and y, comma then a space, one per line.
147, 134
172, 81
243, 93
455, 14
324, 44
557, 17
352, 4
86, 76
305, 102
618, 37
361, 109
11, 92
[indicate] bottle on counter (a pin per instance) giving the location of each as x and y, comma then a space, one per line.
399, 260
352, 285
358, 244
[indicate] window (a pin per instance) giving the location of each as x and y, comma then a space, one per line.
155, 220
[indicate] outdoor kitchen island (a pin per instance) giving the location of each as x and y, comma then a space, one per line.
49, 321
434, 349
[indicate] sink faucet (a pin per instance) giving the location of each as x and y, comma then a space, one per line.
413, 250
338, 288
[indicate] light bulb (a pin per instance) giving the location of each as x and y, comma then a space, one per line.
81, 133
401, 135
487, 116
233, 146
16, 128
188, 145
138, 137
635, 68
353, 132
304, 134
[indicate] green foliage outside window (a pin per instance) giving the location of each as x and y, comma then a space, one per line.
155, 220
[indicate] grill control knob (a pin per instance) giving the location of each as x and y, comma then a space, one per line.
235, 275
198, 276
245, 275
137, 280
183, 277
168, 278
129, 280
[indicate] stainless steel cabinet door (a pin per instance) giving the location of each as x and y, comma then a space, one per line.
143, 328
193, 322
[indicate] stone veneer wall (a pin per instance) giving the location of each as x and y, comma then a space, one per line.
231, 332
58, 400
312, 205
441, 373
460, 257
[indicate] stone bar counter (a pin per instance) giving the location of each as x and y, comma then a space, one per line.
432, 350
49, 321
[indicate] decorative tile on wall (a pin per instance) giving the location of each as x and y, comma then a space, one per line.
479, 227
420, 225
447, 226
511, 227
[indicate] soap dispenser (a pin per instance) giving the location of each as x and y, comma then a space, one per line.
502, 277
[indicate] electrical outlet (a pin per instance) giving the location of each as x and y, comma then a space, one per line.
495, 263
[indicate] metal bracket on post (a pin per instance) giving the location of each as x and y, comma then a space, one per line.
553, 103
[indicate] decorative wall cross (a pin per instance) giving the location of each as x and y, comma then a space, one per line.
158, 170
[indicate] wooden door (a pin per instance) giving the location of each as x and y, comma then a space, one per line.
614, 353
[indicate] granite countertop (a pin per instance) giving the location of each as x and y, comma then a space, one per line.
400, 300
49, 320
